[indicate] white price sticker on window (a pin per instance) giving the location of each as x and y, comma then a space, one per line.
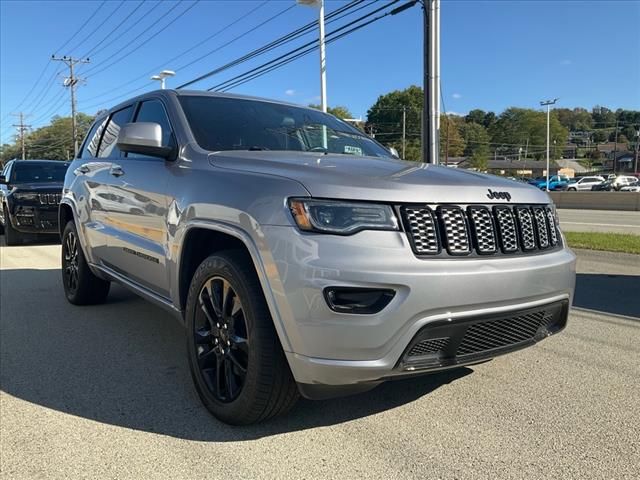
351, 150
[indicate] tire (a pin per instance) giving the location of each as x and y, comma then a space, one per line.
11, 236
239, 369
572, 189
81, 286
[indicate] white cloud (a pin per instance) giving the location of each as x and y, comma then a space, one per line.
456, 96
291, 92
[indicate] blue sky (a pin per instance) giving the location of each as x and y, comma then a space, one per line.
495, 54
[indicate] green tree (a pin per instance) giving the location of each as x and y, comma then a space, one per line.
339, 111
452, 143
515, 126
384, 119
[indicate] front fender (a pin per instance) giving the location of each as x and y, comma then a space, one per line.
263, 263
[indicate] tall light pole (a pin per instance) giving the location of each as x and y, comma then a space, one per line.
162, 75
323, 60
548, 104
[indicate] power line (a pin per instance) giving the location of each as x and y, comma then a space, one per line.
274, 44
93, 32
125, 55
166, 62
81, 27
299, 52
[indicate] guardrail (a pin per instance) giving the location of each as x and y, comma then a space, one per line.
629, 201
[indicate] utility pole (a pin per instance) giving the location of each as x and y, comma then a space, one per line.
404, 131
71, 82
22, 128
635, 170
615, 149
548, 104
526, 149
431, 81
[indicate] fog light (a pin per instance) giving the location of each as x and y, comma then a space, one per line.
354, 300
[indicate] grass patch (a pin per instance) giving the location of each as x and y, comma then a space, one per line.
610, 242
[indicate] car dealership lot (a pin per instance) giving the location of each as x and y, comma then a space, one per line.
105, 392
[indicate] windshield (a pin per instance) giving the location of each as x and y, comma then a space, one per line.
33, 172
221, 124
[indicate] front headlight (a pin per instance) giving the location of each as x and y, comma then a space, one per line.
341, 218
25, 196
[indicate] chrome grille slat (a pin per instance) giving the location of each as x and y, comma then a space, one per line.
485, 235
440, 230
421, 224
525, 224
541, 227
456, 234
49, 198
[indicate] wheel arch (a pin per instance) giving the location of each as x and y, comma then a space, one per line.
204, 239
65, 213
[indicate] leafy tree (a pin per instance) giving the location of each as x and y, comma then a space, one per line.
384, 119
576, 120
515, 125
451, 141
51, 142
337, 111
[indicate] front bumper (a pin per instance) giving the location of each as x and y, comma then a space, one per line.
35, 219
331, 348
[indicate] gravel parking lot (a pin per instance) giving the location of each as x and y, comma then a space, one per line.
105, 392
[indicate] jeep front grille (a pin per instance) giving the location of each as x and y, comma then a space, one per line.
50, 198
440, 230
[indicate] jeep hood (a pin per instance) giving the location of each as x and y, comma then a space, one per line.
378, 179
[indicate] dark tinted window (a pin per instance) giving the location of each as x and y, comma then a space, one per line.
90, 148
220, 124
36, 172
108, 144
153, 111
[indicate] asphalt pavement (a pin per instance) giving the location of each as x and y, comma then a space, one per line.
105, 392
599, 221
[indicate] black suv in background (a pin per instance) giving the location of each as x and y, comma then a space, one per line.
30, 192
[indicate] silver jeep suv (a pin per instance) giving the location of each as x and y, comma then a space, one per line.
302, 258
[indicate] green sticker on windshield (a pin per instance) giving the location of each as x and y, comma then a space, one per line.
352, 150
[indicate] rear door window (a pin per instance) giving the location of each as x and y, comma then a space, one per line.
107, 147
92, 142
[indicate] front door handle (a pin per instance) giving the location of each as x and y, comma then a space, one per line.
116, 170
81, 170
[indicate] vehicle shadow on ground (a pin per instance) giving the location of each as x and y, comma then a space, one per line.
124, 363
617, 294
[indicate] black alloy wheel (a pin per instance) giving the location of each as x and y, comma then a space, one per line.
221, 339
70, 262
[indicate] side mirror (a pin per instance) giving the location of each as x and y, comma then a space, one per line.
144, 138
394, 152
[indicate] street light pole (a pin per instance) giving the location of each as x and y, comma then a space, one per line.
548, 104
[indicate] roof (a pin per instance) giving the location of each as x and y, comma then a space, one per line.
19, 160
203, 93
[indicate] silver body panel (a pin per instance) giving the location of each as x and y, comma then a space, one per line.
133, 227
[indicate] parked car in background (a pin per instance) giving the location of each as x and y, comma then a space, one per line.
622, 181
302, 258
31, 191
605, 186
584, 183
556, 182
632, 187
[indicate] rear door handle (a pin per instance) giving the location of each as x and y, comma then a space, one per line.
81, 170
116, 170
